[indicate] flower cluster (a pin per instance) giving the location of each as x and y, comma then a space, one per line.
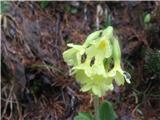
92, 62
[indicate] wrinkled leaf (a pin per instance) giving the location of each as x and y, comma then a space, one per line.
108, 21
73, 10
106, 111
44, 4
83, 116
147, 18
4, 6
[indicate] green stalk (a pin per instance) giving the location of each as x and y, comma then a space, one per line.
96, 106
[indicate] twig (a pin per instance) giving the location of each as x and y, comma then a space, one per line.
11, 107
18, 108
7, 101
57, 34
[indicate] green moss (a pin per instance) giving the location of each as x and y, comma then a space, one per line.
152, 63
4, 6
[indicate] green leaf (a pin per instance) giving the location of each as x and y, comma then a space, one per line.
108, 21
147, 18
4, 6
106, 111
73, 10
44, 4
83, 116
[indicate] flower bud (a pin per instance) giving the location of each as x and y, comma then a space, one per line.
108, 32
92, 37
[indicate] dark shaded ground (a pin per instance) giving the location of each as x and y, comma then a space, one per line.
35, 81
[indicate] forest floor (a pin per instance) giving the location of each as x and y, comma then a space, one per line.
35, 82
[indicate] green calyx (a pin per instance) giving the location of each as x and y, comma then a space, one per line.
90, 63
116, 50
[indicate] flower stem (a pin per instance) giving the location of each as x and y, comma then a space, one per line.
96, 107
